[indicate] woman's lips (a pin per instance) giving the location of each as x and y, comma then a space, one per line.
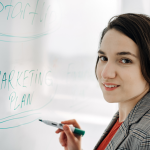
110, 89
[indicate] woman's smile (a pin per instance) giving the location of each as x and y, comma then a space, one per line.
110, 86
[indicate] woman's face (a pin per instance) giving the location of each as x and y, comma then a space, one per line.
119, 64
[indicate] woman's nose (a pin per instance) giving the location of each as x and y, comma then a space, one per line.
108, 71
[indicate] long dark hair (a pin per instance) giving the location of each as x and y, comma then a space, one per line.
136, 27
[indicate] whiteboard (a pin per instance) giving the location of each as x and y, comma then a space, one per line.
48, 51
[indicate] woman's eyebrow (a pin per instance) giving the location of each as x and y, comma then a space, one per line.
119, 53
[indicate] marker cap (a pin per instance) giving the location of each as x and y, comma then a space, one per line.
78, 131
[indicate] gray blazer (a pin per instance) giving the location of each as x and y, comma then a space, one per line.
134, 132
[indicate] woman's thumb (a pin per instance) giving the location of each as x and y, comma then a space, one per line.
68, 132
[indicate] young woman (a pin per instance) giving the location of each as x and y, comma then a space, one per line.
123, 72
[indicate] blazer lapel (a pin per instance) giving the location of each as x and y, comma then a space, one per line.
120, 135
113, 121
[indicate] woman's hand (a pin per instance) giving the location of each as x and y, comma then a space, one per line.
68, 139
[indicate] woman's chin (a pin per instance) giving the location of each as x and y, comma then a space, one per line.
110, 99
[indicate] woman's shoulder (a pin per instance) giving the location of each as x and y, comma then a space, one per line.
142, 127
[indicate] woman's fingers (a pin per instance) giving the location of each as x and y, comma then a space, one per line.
58, 131
63, 139
68, 133
72, 122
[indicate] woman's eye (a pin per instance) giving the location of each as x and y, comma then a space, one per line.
103, 58
126, 61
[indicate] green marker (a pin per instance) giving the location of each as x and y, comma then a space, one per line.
60, 126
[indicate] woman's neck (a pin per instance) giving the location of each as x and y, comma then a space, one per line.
127, 106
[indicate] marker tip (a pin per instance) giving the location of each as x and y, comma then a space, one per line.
40, 119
